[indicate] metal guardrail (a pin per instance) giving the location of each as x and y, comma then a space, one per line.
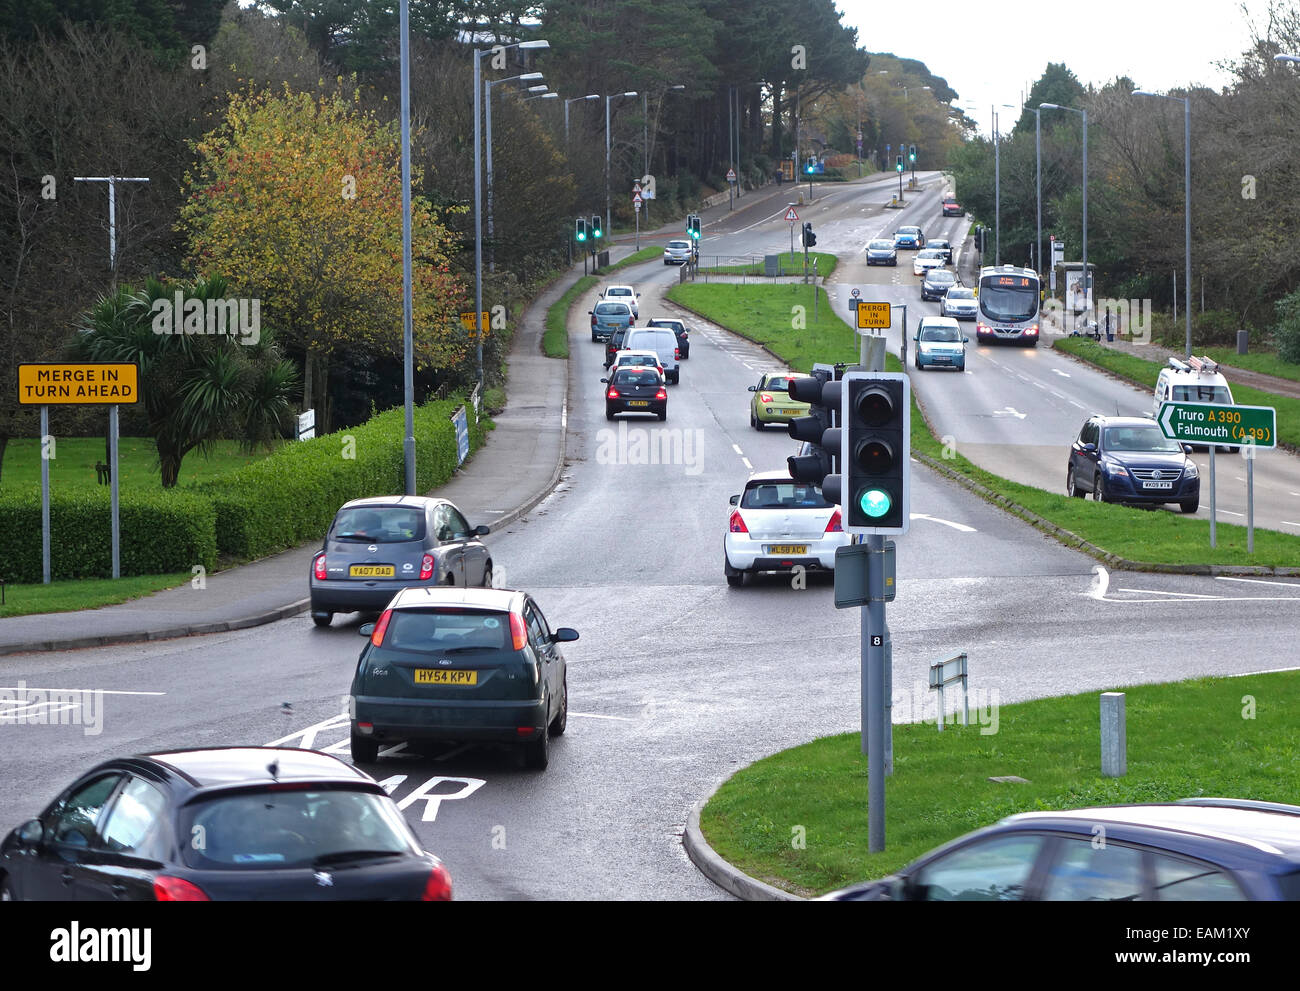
747, 267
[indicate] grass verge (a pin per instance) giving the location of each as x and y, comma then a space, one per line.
1144, 536
555, 340
655, 251
1264, 362
88, 593
1185, 739
1143, 373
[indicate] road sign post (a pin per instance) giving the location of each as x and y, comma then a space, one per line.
1248, 427
792, 216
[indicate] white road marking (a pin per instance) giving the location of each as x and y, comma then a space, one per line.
1058, 395
1061, 373
79, 691
1100, 582
1289, 523
1186, 595
433, 801
1036, 385
1080, 405
934, 519
1009, 411
593, 715
747, 464
1231, 513
308, 735
736, 448
1256, 581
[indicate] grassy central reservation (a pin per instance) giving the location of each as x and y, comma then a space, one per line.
764, 314
1211, 736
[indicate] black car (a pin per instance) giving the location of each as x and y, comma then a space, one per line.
680, 329
465, 665
1201, 849
636, 389
936, 283
1129, 459
375, 547
615, 344
235, 823
941, 244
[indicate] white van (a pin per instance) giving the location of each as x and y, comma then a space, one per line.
663, 342
1196, 380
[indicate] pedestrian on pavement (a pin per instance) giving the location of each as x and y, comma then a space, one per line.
1109, 335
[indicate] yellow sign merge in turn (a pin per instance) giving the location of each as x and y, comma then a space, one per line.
873, 316
104, 383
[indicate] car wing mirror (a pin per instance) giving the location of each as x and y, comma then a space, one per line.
604, 380
1187, 448
482, 531
565, 634
1090, 448
366, 629
965, 340
31, 832
753, 388
735, 500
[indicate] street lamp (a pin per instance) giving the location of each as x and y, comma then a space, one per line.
542, 96
1187, 199
1086, 278
997, 188
1038, 185
478, 189
612, 96
589, 96
487, 89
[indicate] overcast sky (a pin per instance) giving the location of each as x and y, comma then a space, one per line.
991, 52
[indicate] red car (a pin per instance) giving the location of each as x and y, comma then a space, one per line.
951, 208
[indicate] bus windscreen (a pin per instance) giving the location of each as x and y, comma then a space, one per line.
1009, 298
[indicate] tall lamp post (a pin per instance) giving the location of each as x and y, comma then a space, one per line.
1087, 280
487, 96
1038, 186
612, 96
997, 188
1187, 202
589, 96
478, 184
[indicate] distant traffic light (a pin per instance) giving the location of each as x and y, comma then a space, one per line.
809, 238
911, 153
819, 467
876, 450
580, 229
900, 163
693, 226
596, 231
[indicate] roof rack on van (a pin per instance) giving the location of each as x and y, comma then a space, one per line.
1202, 366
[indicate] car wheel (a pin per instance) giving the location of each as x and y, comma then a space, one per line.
537, 754
1190, 505
322, 618
609, 415
755, 422
487, 576
594, 338
7, 893
364, 749
961, 367
1070, 488
562, 718
677, 377
663, 416
1098, 489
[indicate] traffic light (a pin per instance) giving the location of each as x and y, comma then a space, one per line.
911, 153
809, 238
820, 467
596, 232
900, 163
693, 226
979, 238
876, 450
580, 229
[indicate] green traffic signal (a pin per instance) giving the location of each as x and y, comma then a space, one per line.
875, 503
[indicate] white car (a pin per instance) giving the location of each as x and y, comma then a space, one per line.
959, 303
928, 258
622, 294
639, 357
677, 252
777, 524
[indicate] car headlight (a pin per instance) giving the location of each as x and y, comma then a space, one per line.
1190, 470
1114, 469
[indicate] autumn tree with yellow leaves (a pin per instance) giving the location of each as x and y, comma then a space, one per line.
297, 198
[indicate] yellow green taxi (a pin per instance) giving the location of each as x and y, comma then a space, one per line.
771, 402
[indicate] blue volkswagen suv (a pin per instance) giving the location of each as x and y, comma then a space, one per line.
1128, 459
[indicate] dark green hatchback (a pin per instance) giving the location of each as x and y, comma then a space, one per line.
460, 664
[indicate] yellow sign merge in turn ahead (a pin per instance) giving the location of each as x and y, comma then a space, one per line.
873, 316
104, 383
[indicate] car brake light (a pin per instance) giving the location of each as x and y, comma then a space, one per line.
318, 566
612, 394
765, 397
835, 525
661, 394
426, 567
737, 522
518, 635
377, 635
175, 889
677, 353
593, 319
438, 886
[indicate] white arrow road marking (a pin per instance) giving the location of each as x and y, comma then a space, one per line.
1257, 581
1100, 582
307, 737
934, 519
432, 801
1009, 411
1061, 373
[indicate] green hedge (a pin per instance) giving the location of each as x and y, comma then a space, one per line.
292, 496
279, 502
161, 532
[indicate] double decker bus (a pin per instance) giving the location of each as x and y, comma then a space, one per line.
1008, 305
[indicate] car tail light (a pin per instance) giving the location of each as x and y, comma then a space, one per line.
612, 394
593, 319
677, 353
518, 635
737, 522
661, 394
438, 886
835, 525
175, 889
426, 567
765, 397
377, 635
318, 566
